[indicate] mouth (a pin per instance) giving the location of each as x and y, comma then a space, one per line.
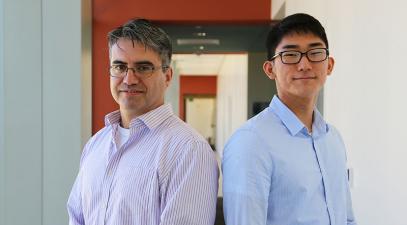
304, 78
131, 92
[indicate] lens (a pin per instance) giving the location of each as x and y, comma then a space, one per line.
317, 55
144, 69
118, 70
291, 57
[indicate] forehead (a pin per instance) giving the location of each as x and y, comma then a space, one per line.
300, 41
131, 51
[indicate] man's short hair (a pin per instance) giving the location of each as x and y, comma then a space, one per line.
145, 33
299, 23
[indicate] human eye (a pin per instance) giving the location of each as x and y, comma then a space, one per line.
119, 68
144, 68
316, 52
290, 57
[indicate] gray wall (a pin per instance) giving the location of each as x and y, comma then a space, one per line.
44, 99
2, 131
23, 144
260, 87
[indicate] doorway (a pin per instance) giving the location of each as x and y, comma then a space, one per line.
200, 113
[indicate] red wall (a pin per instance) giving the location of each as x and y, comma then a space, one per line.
108, 14
102, 100
119, 11
195, 85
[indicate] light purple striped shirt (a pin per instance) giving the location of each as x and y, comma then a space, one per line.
165, 173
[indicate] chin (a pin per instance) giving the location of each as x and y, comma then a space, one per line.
130, 105
305, 94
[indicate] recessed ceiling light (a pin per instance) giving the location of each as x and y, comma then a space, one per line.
199, 34
196, 41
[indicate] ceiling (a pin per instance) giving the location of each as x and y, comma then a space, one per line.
206, 45
230, 38
193, 64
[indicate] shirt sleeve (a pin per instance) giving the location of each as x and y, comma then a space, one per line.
74, 205
246, 171
190, 191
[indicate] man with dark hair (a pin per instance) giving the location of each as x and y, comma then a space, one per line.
146, 166
286, 165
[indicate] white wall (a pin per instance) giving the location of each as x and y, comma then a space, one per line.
231, 101
200, 113
172, 93
365, 99
231, 97
376, 106
44, 100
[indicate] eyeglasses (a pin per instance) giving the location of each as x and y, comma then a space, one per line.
294, 57
140, 70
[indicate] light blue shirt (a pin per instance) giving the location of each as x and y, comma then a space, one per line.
276, 173
165, 173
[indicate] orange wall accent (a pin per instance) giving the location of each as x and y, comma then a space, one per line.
118, 12
102, 100
109, 14
195, 85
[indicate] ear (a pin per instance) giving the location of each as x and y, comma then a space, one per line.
268, 67
331, 63
168, 76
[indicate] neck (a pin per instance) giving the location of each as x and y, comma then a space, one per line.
127, 116
303, 108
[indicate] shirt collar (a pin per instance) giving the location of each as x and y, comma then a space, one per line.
150, 119
291, 121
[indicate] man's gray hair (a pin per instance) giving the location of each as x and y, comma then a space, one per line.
145, 33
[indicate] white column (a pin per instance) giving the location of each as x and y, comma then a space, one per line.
172, 93
231, 104
22, 150
231, 97
45, 107
2, 131
66, 101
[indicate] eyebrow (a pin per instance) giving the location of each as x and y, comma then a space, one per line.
314, 44
136, 63
145, 62
119, 62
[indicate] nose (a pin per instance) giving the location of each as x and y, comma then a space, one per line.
131, 77
304, 64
